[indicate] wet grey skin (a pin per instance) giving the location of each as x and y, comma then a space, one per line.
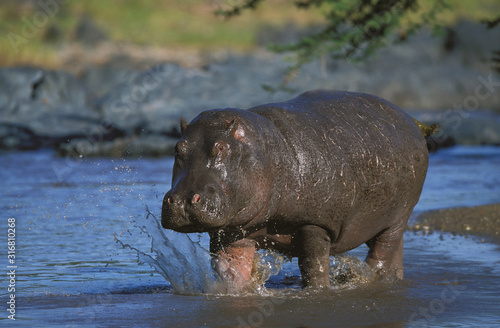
311, 177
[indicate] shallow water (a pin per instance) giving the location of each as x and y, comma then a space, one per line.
71, 272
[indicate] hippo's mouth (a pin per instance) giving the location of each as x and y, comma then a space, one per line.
187, 222
198, 213
189, 227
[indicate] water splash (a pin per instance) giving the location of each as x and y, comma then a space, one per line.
186, 264
180, 260
347, 271
269, 264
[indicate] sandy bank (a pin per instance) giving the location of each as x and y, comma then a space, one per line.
483, 221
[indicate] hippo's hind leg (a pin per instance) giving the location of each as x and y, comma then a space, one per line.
386, 252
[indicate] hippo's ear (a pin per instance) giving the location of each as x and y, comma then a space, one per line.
183, 125
237, 130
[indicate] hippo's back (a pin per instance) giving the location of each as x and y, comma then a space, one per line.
352, 156
345, 123
345, 118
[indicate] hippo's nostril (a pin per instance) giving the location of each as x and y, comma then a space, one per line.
175, 200
195, 199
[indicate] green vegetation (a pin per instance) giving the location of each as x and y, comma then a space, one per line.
33, 31
161, 23
355, 29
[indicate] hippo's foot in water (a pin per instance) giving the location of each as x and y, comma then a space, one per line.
385, 255
235, 265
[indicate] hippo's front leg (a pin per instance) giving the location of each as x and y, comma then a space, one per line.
234, 263
313, 245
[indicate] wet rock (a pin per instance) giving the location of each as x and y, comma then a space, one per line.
17, 84
99, 80
15, 137
131, 146
56, 88
134, 106
51, 105
23, 87
155, 99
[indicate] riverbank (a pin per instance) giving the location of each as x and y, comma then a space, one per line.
481, 221
129, 105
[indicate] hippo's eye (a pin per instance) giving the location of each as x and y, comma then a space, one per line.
219, 150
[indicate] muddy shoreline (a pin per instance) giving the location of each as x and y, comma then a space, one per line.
482, 221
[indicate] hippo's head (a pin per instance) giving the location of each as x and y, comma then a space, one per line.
221, 175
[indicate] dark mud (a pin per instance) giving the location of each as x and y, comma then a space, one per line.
482, 221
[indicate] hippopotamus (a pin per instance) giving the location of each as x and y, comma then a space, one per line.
314, 176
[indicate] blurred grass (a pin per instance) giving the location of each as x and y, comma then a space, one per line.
164, 23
